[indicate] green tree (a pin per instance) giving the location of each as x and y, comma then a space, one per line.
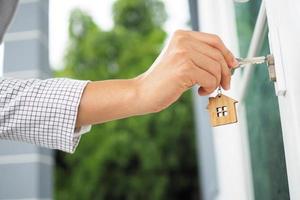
150, 157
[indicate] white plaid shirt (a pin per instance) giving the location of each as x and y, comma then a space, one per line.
41, 112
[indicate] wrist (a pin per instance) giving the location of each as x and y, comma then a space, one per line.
109, 100
137, 102
144, 102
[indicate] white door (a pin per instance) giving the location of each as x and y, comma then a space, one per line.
284, 26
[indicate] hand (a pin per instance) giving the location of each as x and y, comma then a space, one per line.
190, 58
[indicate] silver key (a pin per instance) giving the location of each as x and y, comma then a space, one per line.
249, 61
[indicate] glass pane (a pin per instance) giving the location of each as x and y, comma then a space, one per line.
264, 128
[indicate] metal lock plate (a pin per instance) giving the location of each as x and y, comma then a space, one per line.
271, 68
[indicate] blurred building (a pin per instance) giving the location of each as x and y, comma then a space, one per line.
26, 170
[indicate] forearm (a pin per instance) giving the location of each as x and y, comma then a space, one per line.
109, 100
191, 58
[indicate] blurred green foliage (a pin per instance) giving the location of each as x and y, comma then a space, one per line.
150, 157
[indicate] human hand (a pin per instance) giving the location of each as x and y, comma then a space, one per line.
190, 58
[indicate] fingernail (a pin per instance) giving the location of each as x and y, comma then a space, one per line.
234, 62
227, 87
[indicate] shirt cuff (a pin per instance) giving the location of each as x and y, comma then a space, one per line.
77, 132
41, 112
82, 130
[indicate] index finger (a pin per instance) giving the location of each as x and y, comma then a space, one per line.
216, 42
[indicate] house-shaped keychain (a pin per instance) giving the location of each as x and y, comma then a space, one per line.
222, 110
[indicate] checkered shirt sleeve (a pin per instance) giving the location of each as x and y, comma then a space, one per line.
41, 112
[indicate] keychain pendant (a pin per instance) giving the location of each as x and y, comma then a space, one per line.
222, 110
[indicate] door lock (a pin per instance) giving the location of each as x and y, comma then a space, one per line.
269, 60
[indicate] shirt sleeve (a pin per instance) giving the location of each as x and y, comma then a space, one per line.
41, 112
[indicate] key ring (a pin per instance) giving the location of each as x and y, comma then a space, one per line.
219, 91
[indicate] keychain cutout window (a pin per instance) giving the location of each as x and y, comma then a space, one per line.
222, 110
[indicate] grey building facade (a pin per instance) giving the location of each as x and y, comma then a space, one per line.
26, 170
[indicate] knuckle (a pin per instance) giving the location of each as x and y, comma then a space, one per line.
181, 41
212, 83
179, 32
182, 54
186, 67
217, 42
185, 70
217, 39
226, 73
219, 57
228, 53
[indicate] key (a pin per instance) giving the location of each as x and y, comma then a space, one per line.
249, 61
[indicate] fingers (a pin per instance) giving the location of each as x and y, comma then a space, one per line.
208, 84
216, 42
215, 54
206, 63
203, 92
208, 55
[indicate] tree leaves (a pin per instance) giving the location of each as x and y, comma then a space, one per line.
148, 157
